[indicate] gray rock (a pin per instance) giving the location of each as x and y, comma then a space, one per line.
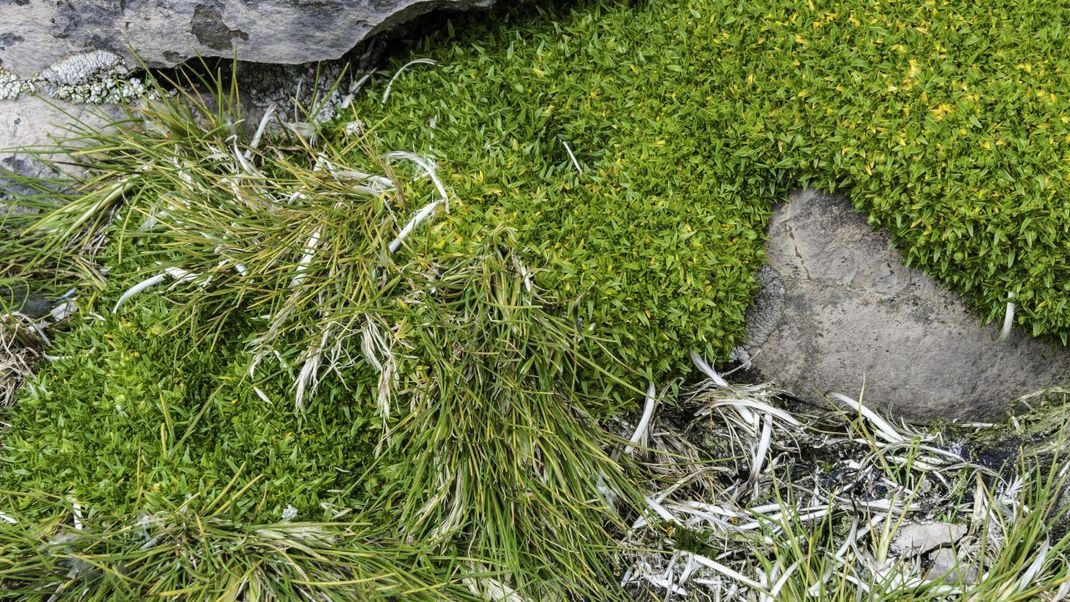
35, 34
946, 566
30, 121
915, 539
839, 312
16, 297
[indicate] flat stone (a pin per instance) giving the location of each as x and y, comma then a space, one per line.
946, 566
840, 313
30, 121
35, 34
915, 539
17, 297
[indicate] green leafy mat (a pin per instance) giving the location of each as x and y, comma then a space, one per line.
948, 122
633, 152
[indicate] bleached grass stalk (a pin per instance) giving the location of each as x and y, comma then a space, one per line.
759, 454
307, 256
746, 415
178, 274
727, 572
354, 88
1035, 567
638, 437
492, 590
390, 84
760, 407
572, 157
376, 185
427, 166
377, 352
1008, 319
308, 377
416, 220
782, 581
708, 370
260, 129
76, 513
884, 429
246, 166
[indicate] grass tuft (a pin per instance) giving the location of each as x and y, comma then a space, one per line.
205, 557
501, 449
295, 257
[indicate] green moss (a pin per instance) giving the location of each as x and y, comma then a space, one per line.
136, 419
947, 123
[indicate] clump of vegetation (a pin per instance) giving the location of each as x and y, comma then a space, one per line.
455, 407
130, 418
435, 315
689, 121
205, 557
798, 504
501, 442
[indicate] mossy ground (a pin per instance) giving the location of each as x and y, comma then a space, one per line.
133, 419
949, 123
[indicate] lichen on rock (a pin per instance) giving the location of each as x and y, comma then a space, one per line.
94, 77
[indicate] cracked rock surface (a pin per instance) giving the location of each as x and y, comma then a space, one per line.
35, 34
840, 313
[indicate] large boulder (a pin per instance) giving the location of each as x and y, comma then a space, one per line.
840, 313
34, 34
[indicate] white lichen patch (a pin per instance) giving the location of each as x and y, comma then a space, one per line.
11, 86
84, 69
93, 77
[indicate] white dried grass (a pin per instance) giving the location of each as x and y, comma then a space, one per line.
390, 84
639, 437
178, 274
873, 501
377, 351
492, 590
416, 220
20, 350
307, 256
429, 169
1008, 319
260, 129
572, 157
